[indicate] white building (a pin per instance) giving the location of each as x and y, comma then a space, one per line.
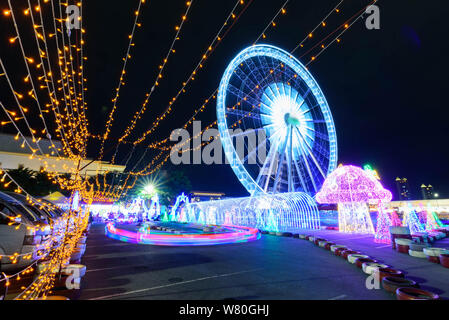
13, 156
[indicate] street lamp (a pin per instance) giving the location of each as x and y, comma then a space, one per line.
149, 189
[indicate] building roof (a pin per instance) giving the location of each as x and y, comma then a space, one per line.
9, 143
206, 193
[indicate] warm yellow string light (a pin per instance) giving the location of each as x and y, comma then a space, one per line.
122, 75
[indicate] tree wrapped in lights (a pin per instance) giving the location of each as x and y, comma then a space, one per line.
174, 216
411, 220
352, 189
431, 222
395, 220
154, 210
437, 219
383, 225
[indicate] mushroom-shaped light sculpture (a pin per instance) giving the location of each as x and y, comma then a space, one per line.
353, 188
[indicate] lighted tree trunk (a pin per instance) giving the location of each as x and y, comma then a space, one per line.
383, 226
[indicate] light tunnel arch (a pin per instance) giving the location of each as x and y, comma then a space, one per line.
269, 212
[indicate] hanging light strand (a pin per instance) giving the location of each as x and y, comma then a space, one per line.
47, 74
213, 45
122, 74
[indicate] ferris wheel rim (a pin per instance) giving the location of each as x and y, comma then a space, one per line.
292, 62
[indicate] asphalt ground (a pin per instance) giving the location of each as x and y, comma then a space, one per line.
270, 268
428, 275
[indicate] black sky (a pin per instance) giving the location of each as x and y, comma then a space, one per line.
387, 89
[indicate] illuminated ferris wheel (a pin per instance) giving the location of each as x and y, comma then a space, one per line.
268, 92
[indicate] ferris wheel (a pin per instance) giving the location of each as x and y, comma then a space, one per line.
268, 92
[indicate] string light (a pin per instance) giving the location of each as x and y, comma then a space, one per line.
117, 90
215, 42
142, 110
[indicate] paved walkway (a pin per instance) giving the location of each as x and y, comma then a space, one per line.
270, 268
429, 275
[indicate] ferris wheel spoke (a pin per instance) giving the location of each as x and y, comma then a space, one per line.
267, 180
243, 114
267, 160
266, 105
314, 121
300, 175
289, 93
250, 154
305, 95
306, 162
295, 97
285, 90
310, 152
291, 187
310, 108
310, 147
308, 135
321, 136
278, 91
280, 163
246, 132
273, 93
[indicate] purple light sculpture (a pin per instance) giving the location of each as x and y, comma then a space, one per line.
352, 188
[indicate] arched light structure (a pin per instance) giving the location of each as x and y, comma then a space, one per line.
174, 214
154, 210
267, 90
272, 212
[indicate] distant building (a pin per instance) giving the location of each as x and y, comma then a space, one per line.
427, 192
15, 154
403, 188
441, 206
197, 196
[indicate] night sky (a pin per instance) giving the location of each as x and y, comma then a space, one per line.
387, 88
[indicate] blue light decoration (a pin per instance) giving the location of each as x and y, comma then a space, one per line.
272, 224
75, 201
411, 220
437, 219
271, 212
174, 215
154, 210
266, 89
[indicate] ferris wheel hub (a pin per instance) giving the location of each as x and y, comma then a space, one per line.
291, 120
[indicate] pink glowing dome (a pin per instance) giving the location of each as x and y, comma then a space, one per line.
352, 184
